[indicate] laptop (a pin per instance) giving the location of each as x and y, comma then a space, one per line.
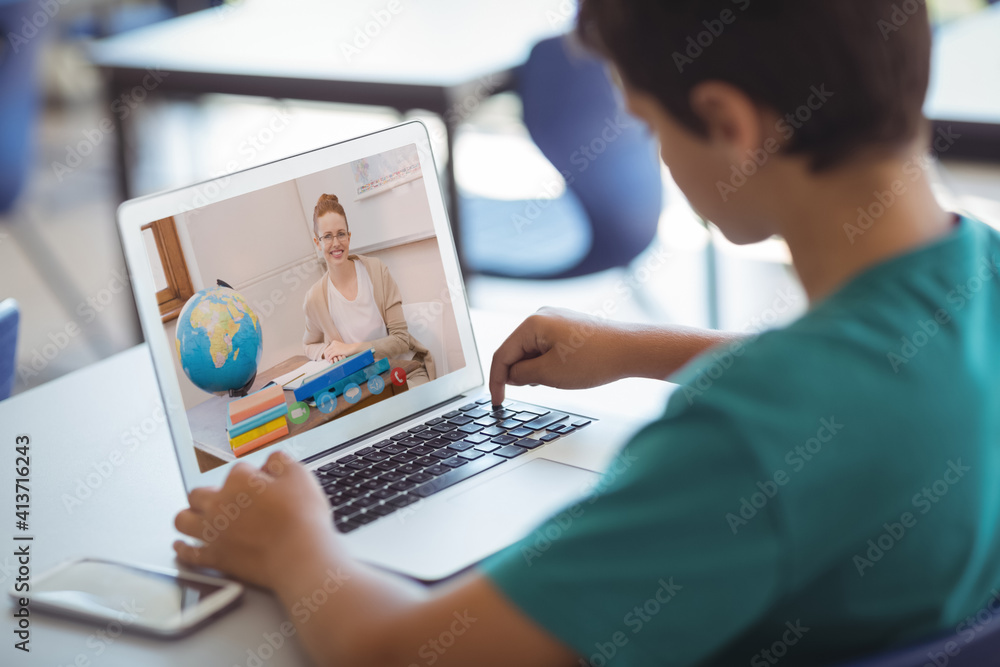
424, 475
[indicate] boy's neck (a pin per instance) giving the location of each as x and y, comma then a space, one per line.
840, 224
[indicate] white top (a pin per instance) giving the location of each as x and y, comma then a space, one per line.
357, 321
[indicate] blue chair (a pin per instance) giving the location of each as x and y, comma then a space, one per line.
611, 209
9, 317
981, 649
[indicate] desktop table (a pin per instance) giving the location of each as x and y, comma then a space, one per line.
441, 57
105, 483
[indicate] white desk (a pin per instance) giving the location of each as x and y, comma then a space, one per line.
129, 512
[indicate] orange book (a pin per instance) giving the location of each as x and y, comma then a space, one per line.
261, 441
255, 403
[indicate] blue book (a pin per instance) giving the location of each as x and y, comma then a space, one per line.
360, 377
259, 419
324, 380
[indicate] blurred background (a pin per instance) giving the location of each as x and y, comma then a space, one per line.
105, 99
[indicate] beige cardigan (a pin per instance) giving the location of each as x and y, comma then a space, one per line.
320, 329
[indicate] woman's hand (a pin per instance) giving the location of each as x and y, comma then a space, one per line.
261, 525
337, 350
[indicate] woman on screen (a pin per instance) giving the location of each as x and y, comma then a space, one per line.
356, 305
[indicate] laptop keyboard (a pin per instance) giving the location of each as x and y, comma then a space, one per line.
376, 481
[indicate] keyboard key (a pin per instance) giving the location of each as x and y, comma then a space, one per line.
528, 443
409, 468
471, 428
542, 422
357, 465
535, 409
364, 518
549, 437
502, 414
488, 447
486, 421
580, 423
354, 492
391, 476
425, 461
440, 454
504, 439
393, 449
455, 462
411, 442
363, 502
385, 466
478, 413
509, 424
399, 436
469, 406
438, 443
492, 431
477, 438
444, 428
405, 457
520, 432
339, 471
375, 457
453, 413
472, 454
369, 473
420, 478
457, 475
460, 421
461, 445
564, 429
402, 485
382, 443
510, 451
403, 500
384, 494
381, 510
426, 435
371, 484
453, 436
436, 469
483, 401
422, 450
434, 422
364, 450
347, 459
328, 466
524, 417
418, 428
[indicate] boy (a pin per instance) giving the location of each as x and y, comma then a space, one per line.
817, 493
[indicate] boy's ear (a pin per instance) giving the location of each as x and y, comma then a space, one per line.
732, 120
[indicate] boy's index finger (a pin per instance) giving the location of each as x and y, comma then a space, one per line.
520, 345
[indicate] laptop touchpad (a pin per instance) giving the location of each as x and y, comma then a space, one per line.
528, 493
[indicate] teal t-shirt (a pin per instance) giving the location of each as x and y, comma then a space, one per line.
821, 492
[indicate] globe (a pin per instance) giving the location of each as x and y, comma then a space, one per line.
219, 340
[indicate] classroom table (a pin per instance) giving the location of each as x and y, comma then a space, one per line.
105, 483
443, 57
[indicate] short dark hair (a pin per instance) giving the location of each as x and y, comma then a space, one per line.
873, 56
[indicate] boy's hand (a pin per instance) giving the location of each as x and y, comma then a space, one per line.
559, 348
259, 525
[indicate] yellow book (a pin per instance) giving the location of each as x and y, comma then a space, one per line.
253, 434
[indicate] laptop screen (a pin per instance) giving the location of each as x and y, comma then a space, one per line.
292, 306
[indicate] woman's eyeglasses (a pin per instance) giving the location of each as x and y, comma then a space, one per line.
328, 238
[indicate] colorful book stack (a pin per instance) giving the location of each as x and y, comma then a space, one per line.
357, 368
257, 419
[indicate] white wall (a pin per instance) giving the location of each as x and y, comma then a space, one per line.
261, 244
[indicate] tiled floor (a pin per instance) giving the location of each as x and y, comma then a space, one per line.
60, 256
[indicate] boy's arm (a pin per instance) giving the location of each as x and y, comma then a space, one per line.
280, 536
569, 350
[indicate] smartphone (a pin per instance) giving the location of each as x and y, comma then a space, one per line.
154, 601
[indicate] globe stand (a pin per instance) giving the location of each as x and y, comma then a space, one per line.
245, 389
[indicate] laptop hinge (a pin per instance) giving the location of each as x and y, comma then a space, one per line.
383, 429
